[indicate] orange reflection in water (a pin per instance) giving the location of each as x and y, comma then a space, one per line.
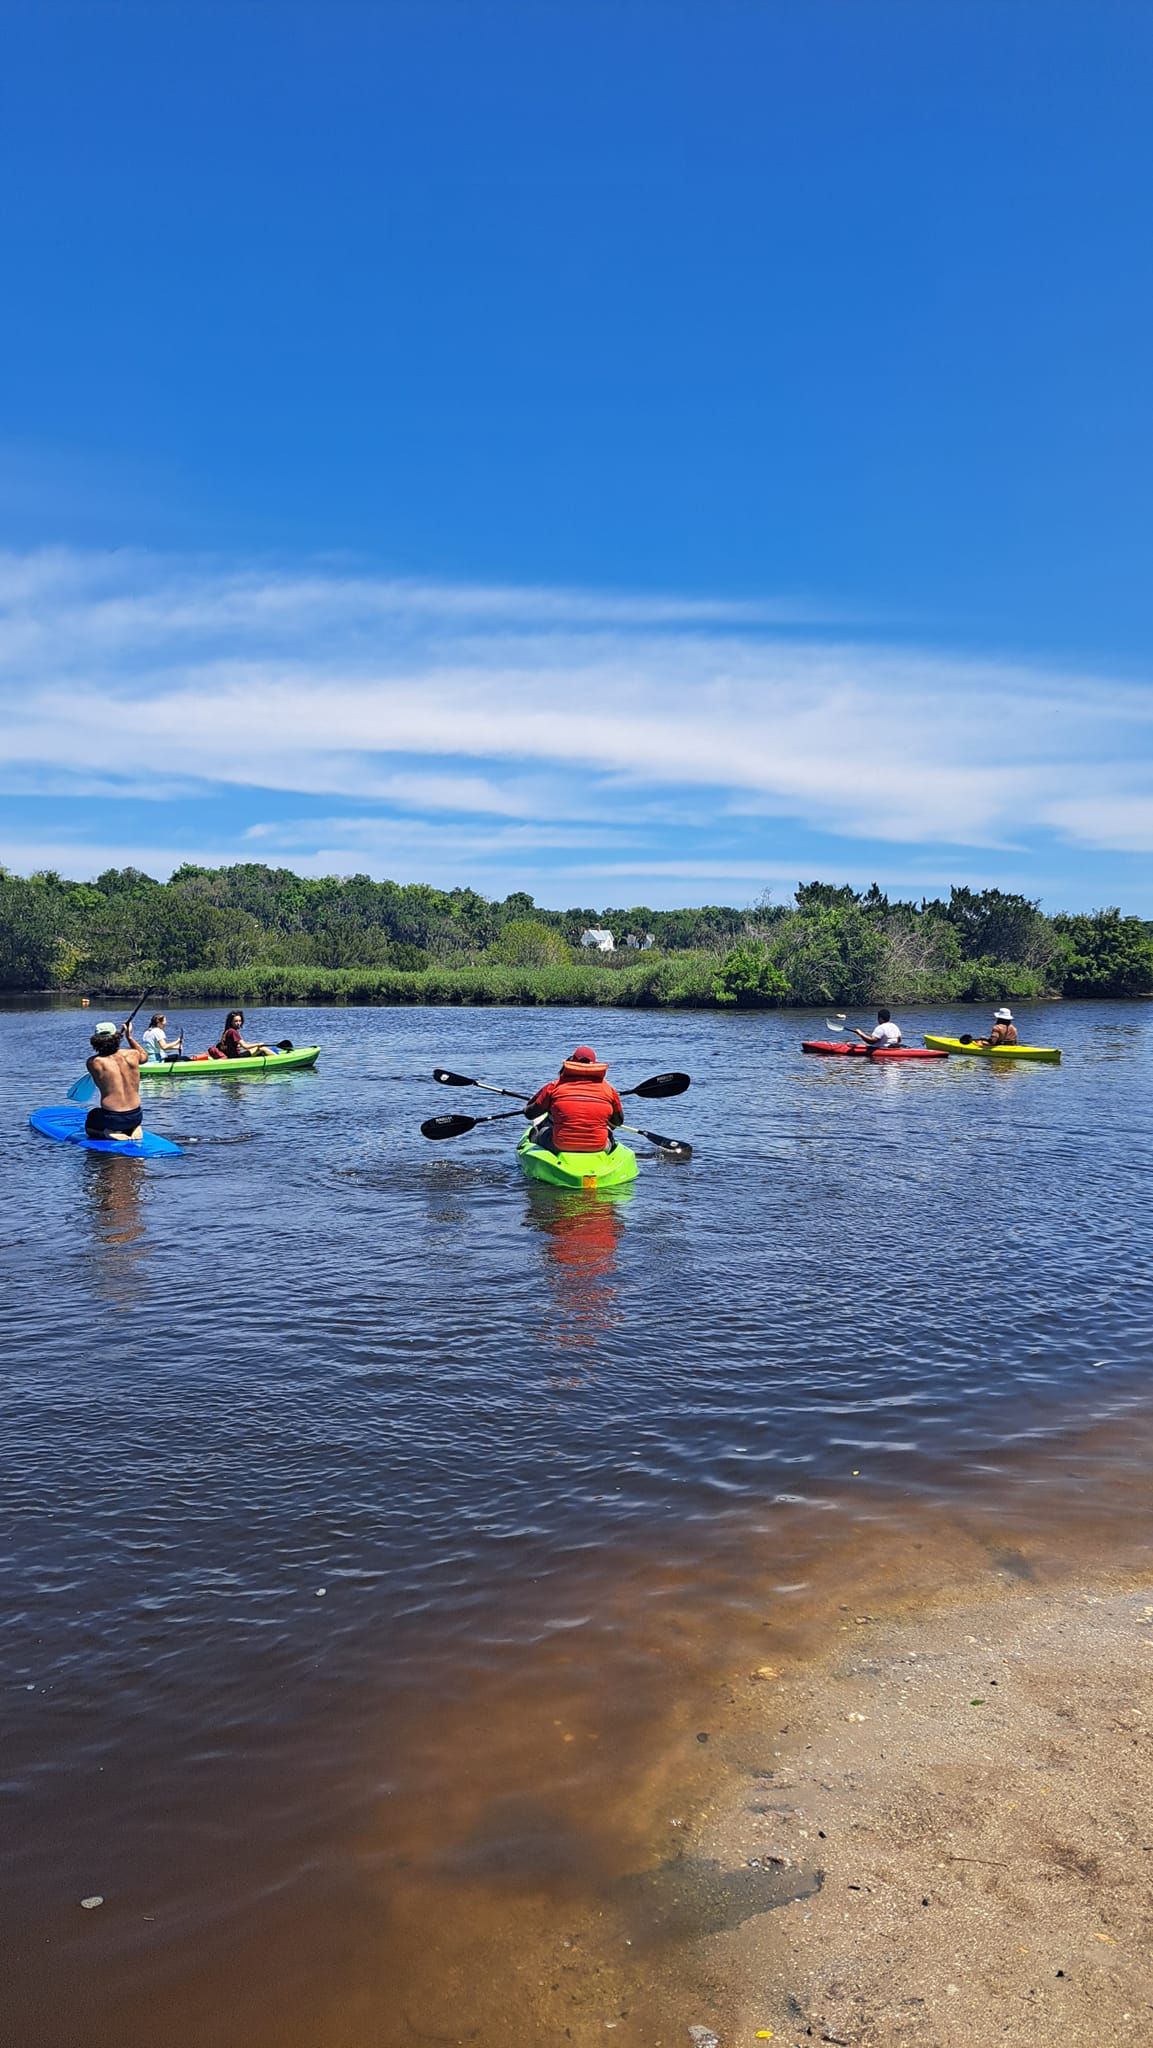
580, 1235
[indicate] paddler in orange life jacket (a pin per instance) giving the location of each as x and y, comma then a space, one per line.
581, 1106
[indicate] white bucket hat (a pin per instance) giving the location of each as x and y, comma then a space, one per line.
1002, 1016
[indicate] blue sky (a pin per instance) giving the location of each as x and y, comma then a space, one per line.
629, 451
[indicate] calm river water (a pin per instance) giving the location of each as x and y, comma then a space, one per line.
364, 1509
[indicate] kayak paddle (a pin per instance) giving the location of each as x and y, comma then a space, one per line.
456, 1126
656, 1088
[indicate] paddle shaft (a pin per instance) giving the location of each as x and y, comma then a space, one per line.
139, 1007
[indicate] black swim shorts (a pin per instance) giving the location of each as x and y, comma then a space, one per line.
112, 1123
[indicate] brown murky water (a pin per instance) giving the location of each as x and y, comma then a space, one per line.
383, 1538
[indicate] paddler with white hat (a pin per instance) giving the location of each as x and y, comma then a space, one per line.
1004, 1030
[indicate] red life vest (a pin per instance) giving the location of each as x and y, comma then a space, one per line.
579, 1104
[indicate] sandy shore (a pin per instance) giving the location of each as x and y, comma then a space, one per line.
902, 1799
955, 1800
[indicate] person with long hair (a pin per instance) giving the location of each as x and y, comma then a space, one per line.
232, 1046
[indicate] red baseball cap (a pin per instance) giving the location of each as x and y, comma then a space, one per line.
586, 1056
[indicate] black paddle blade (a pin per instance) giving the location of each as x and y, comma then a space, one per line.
447, 1126
660, 1085
451, 1080
677, 1146
284, 1045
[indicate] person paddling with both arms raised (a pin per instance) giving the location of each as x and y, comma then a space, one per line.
581, 1105
116, 1072
884, 1037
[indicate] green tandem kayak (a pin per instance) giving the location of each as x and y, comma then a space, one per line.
216, 1070
585, 1170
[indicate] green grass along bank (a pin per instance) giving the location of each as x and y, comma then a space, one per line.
686, 981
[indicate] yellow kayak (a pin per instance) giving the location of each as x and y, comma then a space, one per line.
993, 1052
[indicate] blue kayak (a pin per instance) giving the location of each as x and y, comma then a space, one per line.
64, 1122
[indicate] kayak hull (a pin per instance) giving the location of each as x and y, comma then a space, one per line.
192, 1070
581, 1170
995, 1052
834, 1046
63, 1122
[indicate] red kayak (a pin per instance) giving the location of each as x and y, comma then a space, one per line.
858, 1051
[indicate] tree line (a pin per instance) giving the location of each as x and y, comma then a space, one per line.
253, 932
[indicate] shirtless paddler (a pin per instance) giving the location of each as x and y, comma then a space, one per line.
116, 1072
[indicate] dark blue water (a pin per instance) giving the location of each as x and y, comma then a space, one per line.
338, 1466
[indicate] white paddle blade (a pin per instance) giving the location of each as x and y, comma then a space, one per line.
830, 1026
83, 1090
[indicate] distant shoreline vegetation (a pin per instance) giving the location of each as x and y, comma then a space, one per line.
251, 934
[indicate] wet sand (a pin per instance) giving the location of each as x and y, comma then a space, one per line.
958, 1786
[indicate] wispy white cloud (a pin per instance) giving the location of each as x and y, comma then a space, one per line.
1121, 822
546, 710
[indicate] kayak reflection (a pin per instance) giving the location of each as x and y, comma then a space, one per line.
580, 1234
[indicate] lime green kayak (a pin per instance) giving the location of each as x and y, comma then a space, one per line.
577, 1169
994, 1052
216, 1070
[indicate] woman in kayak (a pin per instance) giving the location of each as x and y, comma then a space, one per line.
157, 1044
231, 1046
1004, 1030
581, 1106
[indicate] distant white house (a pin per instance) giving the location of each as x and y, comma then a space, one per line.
601, 941
639, 942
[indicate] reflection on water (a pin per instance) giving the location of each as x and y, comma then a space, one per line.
580, 1234
114, 1189
365, 1593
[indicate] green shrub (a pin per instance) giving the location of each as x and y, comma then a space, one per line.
526, 942
834, 954
749, 978
993, 981
1105, 954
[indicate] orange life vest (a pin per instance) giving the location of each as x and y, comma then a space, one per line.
579, 1104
